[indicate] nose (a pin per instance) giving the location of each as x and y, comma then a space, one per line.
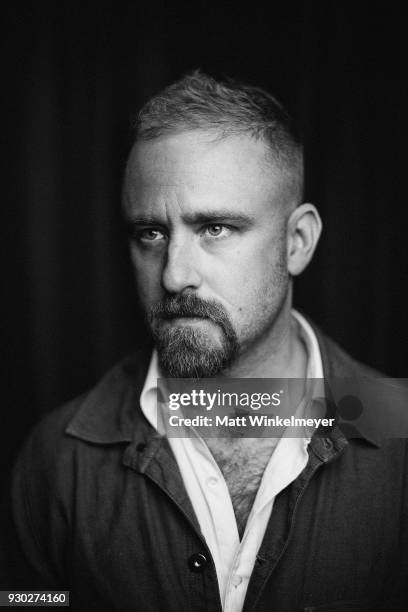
180, 270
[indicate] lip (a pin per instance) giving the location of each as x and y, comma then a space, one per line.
187, 321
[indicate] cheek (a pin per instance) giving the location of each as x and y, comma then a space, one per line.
147, 276
256, 281
250, 272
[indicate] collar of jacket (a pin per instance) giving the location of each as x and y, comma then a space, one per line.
110, 413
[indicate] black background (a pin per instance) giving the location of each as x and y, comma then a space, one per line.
74, 76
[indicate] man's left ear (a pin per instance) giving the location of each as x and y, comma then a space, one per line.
303, 232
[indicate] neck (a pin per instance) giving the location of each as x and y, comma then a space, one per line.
280, 353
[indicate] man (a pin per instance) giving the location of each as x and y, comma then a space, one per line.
127, 518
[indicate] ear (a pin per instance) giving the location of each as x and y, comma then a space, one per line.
303, 232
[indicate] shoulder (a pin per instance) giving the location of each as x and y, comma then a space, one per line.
337, 361
371, 401
58, 461
105, 414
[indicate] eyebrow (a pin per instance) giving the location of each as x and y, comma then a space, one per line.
196, 218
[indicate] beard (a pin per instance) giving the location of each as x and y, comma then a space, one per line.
188, 352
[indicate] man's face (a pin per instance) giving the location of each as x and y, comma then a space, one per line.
208, 247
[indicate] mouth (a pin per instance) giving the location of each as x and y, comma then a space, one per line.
182, 320
201, 324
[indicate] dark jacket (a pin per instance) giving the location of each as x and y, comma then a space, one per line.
99, 508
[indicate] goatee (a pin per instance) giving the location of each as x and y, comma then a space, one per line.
187, 351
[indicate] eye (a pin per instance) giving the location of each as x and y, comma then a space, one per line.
150, 234
216, 230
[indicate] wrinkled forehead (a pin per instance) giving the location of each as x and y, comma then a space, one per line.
235, 168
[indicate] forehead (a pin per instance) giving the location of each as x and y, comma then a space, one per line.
196, 167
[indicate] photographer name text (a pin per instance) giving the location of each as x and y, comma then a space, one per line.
250, 420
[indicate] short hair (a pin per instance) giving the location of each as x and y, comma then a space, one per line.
199, 102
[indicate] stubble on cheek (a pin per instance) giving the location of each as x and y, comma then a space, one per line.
264, 299
148, 286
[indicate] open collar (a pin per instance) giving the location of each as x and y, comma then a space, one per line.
110, 413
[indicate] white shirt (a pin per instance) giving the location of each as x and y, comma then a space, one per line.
234, 559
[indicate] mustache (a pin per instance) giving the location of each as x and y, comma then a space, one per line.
189, 306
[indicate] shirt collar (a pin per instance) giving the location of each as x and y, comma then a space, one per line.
110, 412
314, 357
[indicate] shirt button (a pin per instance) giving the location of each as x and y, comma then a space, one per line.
197, 562
211, 482
236, 580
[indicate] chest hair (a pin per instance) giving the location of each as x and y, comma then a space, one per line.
242, 463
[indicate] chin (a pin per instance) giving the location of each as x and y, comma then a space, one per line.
186, 352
